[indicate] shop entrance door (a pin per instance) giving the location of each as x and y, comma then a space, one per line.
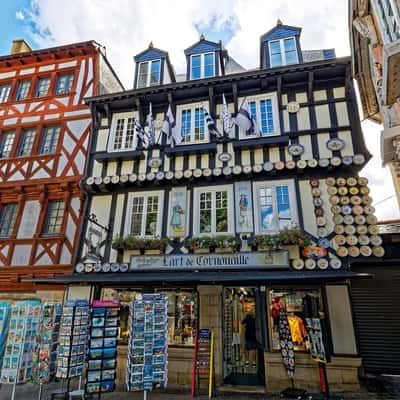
243, 350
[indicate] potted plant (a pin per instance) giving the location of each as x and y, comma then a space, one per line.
139, 244
227, 243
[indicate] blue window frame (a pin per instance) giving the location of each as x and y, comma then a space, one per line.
7, 219
196, 67
283, 52
202, 65
4, 92
262, 112
49, 141
54, 217
42, 87
28, 138
23, 90
6, 144
64, 83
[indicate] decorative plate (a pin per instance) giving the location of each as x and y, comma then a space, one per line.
367, 200
106, 267
343, 191
348, 219
142, 177
351, 181
375, 240
237, 169
335, 144
357, 210
155, 162
107, 179
356, 200
323, 242
90, 181
319, 212
314, 252
330, 181
115, 179
188, 173
79, 268
268, 166
321, 221
371, 219
169, 175
317, 201
228, 170
344, 200
338, 219
312, 163
98, 180
353, 191
150, 176
342, 251
323, 162
279, 165
292, 107
290, 164
331, 190
336, 209
364, 240
364, 190
336, 161
316, 192
354, 251
335, 263
296, 149
310, 263
359, 159
359, 219
378, 251
334, 200
339, 240
351, 240
322, 231
339, 229
257, 168
314, 182
362, 229
124, 178
341, 181
247, 168
362, 181
178, 174
89, 267
346, 210
97, 267
323, 263
224, 157
132, 178
217, 171
350, 229
114, 267
347, 160
207, 172
365, 251
160, 176
124, 267
197, 173
298, 264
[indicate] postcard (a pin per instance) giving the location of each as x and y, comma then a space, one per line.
108, 374
94, 376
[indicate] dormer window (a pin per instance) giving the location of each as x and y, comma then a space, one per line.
283, 52
202, 65
149, 74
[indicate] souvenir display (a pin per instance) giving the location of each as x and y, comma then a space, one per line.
323, 162
5, 308
298, 264
295, 149
312, 163
336, 161
268, 166
188, 173
21, 341
335, 144
237, 169
257, 168
102, 354
290, 164
323, 263
72, 338
44, 362
347, 160
286, 344
335, 263
148, 345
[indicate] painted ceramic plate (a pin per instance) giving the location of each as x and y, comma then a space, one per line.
316, 192
124, 267
323, 263
362, 181
169, 175
339, 240
106, 267
290, 164
362, 229
363, 240
357, 210
97, 267
350, 229
319, 212
336, 209
353, 191
321, 221
124, 178
257, 168
331, 190
336, 161
314, 182
188, 173
343, 191
298, 264
356, 200
330, 181
346, 210
133, 177
364, 190
107, 179
378, 251
115, 179
354, 251
178, 174
90, 181
335, 144
344, 200
98, 180
160, 176
347, 160
360, 219
322, 231
142, 177
351, 240
89, 267
301, 164
375, 240
348, 219
335, 263
339, 229
365, 251
228, 170
367, 200
208, 172
342, 251
334, 200
351, 181
312, 163
371, 219
268, 166
323, 162
338, 219
358, 159
79, 268
197, 173
341, 181
237, 169
317, 201
310, 263
114, 267
323, 242
373, 229
247, 168
217, 171
279, 165
150, 176
296, 149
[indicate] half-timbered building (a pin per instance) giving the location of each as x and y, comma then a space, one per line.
44, 138
233, 221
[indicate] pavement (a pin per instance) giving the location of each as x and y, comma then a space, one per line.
30, 391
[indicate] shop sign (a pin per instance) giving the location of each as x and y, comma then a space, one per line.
212, 261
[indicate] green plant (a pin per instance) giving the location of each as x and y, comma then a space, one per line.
286, 237
204, 242
137, 243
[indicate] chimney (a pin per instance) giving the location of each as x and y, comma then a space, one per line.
20, 46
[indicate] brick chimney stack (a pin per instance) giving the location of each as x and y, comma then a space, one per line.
20, 46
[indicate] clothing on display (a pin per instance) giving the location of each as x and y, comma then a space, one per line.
286, 344
297, 329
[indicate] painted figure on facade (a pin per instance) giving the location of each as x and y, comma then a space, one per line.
176, 218
244, 211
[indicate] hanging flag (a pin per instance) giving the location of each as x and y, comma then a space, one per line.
212, 128
141, 133
246, 121
167, 128
226, 118
151, 133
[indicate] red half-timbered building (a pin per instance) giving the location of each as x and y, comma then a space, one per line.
44, 136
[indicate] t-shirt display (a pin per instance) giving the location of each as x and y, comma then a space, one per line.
72, 338
102, 355
21, 341
147, 350
44, 361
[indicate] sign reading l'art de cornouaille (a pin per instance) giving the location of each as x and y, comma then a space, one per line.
243, 260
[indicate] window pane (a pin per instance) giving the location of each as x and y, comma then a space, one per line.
199, 124
196, 67
205, 212
54, 218
283, 204
42, 87
6, 145
23, 90
155, 73
289, 45
275, 47
137, 214
28, 137
267, 122
50, 139
7, 219
266, 209
151, 215
253, 109
142, 76
130, 133
276, 60
64, 83
119, 133
186, 122
209, 65
4, 92
221, 211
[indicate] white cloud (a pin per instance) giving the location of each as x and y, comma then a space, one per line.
20, 15
126, 27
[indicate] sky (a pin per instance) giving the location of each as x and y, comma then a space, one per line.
126, 27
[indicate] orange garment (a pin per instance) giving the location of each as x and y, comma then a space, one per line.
297, 329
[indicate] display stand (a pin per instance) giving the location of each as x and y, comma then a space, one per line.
5, 308
148, 348
203, 364
72, 341
102, 355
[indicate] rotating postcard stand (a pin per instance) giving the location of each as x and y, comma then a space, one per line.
148, 348
72, 342
5, 308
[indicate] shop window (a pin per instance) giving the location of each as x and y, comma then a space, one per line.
54, 217
42, 87
49, 139
6, 144
4, 92
23, 90
64, 83
299, 305
7, 219
28, 138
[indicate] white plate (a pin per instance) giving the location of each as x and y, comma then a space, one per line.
310, 263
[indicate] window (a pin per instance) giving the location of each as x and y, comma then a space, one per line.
23, 90
123, 133
4, 92
283, 52
202, 66
145, 214
6, 144
213, 210
64, 83
149, 73
7, 219
54, 217
28, 138
264, 109
275, 206
191, 124
42, 87
49, 139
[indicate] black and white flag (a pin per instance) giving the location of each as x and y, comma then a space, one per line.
212, 128
226, 118
151, 133
167, 128
141, 133
246, 121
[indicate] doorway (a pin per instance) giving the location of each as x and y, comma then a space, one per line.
243, 350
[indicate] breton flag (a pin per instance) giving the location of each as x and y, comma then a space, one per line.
141, 133
212, 128
226, 118
151, 133
168, 124
246, 121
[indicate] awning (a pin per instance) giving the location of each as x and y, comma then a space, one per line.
203, 277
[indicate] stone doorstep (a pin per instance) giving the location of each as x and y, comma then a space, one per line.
226, 389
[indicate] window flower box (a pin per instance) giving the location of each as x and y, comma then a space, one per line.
140, 244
